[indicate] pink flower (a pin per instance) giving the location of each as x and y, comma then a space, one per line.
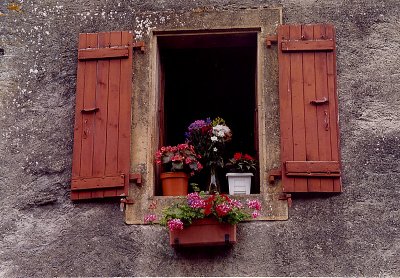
175, 225
177, 158
236, 204
254, 204
255, 214
222, 209
149, 219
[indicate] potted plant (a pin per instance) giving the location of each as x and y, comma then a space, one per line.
241, 168
178, 162
206, 219
209, 139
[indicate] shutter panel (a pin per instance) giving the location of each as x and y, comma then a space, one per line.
101, 155
308, 108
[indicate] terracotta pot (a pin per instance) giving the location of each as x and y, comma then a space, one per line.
204, 232
174, 183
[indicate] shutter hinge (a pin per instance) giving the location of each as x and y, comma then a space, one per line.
138, 45
288, 197
271, 39
125, 201
274, 174
135, 177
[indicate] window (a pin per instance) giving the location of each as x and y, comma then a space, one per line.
209, 75
291, 110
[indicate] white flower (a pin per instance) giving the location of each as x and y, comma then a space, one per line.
215, 149
214, 138
221, 130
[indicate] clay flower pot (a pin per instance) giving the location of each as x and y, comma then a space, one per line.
174, 183
204, 232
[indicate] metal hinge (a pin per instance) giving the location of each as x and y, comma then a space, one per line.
138, 45
288, 197
125, 201
274, 174
271, 39
135, 177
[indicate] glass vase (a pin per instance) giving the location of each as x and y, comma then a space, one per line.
213, 185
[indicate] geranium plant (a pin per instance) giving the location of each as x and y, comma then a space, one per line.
217, 206
241, 163
180, 158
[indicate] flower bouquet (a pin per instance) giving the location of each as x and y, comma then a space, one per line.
209, 139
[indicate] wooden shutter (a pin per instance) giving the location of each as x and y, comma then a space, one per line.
308, 108
101, 155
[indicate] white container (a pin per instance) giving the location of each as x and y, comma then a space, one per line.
239, 183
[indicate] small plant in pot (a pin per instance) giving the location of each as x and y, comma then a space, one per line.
178, 163
241, 168
207, 219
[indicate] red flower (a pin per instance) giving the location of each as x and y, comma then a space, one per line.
248, 157
237, 156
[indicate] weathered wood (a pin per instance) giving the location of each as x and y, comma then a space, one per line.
308, 45
312, 167
285, 99
96, 183
80, 87
297, 84
103, 52
102, 128
124, 132
308, 110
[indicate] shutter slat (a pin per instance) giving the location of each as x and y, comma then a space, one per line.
89, 101
308, 45
310, 111
80, 87
309, 128
297, 83
96, 183
285, 106
323, 110
103, 53
98, 169
124, 135
304, 168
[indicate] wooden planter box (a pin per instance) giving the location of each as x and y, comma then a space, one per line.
204, 232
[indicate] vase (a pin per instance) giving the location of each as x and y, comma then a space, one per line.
239, 183
204, 232
213, 184
174, 183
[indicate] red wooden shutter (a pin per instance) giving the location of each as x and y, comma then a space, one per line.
101, 156
308, 108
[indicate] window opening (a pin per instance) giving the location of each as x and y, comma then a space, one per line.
209, 75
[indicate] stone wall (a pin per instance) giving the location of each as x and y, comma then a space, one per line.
42, 233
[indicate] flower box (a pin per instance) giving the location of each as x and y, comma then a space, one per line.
204, 232
239, 183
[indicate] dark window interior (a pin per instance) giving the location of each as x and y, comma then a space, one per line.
210, 76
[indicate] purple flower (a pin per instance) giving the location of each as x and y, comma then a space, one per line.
254, 204
175, 225
199, 124
194, 200
149, 219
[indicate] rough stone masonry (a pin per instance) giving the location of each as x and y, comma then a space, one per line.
42, 233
